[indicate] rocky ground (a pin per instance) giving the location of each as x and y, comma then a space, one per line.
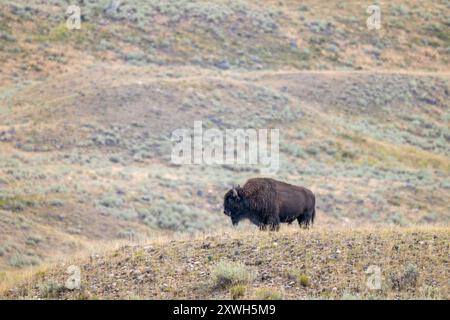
291, 264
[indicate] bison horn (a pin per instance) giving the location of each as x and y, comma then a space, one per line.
235, 194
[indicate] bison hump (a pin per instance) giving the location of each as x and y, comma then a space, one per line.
261, 195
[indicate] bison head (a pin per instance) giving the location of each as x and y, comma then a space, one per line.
234, 205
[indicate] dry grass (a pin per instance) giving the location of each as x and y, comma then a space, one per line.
335, 262
269, 294
229, 273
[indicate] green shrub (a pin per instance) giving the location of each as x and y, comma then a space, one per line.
15, 204
111, 202
237, 291
51, 289
429, 293
311, 150
20, 260
57, 203
398, 219
175, 216
228, 273
406, 280
303, 280
300, 278
269, 294
33, 240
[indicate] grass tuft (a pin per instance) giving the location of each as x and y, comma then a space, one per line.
269, 294
228, 273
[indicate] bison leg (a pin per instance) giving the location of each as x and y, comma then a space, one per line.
274, 223
306, 219
263, 227
274, 227
303, 222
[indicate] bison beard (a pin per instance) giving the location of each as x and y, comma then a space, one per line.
268, 202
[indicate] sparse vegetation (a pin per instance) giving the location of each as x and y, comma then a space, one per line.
407, 280
269, 294
21, 260
228, 273
238, 291
86, 122
303, 280
51, 289
200, 267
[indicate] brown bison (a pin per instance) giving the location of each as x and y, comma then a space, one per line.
267, 202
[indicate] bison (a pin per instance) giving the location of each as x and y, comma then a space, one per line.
267, 202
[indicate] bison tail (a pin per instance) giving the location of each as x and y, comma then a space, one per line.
313, 216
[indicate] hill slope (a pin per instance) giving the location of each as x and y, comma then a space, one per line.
86, 115
291, 264
35, 43
90, 161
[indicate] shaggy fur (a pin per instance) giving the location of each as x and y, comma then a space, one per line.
268, 202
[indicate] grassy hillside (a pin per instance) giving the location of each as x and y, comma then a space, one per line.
313, 35
316, 264
91, 160
86, 118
